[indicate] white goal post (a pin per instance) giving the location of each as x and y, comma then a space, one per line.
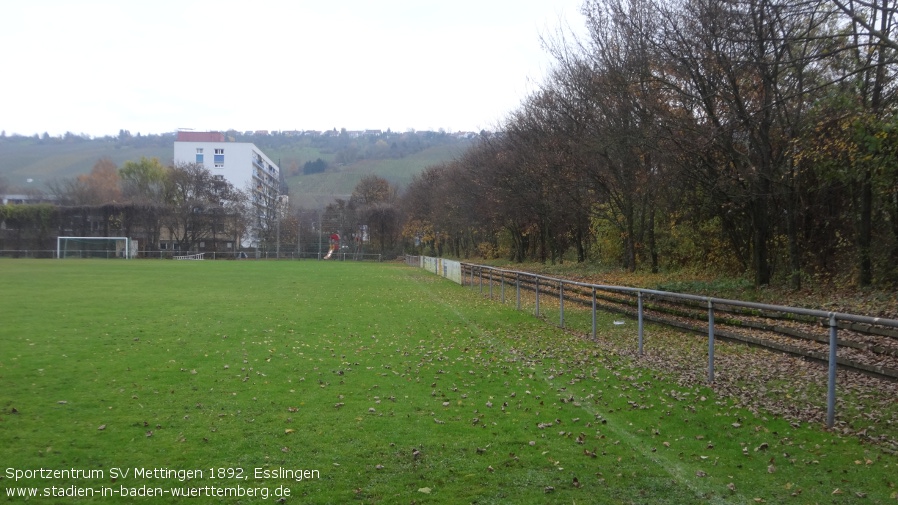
94, 247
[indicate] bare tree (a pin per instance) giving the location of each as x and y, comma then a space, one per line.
376, 201
883, 12
607, 104
740, 71
198, 204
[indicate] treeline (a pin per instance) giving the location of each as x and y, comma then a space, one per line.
741, 136
145, 200
186, 208
123, 139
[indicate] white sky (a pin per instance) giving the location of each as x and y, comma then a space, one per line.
152, 66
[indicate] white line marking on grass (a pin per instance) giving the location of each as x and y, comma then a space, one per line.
675, 469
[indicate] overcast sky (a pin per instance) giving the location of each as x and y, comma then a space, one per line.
153, 66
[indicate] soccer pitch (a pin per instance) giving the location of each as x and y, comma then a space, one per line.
331, 382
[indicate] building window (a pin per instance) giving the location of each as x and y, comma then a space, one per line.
219, 158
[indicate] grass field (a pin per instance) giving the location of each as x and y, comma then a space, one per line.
383, 383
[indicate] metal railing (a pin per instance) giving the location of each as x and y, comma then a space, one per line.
27, 253
486, 278
191, 257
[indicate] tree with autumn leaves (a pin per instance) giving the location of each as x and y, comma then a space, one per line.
747, 136
144, 197
100, 186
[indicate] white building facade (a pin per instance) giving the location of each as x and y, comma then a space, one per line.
242, 164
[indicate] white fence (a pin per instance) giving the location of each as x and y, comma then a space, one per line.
191, 257
443, 267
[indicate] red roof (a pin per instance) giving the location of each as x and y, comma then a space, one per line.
201, 136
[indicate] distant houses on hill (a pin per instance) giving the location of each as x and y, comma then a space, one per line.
349, 133
232, 135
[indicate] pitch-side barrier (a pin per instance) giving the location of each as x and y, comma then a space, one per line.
474, 275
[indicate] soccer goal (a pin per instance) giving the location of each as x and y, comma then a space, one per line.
94, 247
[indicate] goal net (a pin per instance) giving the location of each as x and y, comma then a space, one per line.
94, 247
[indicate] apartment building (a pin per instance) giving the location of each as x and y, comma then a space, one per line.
242, 164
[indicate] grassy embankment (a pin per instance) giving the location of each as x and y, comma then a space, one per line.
45, 163
317, 190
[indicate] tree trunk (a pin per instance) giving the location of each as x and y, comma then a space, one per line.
653, 246
630, 241
581, 249
893, 271
792, 232
865, 232
761, 235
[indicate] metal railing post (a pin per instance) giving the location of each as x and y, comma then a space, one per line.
561, 302
502, 288
491, 284
517, 289
536, 289
710, 341
594, 313
639, 319
831, 389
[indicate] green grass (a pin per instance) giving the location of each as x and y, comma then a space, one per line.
401, 170
395, 385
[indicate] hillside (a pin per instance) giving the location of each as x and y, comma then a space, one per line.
315, 190
30, 163
45, 161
